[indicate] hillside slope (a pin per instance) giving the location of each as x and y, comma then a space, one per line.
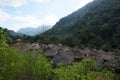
97, 26
11, 32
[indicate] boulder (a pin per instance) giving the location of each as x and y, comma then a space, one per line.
63, 56
77, 54
51, 50
106, 59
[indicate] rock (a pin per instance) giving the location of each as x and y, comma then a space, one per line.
77, 54
34, 46
87, 53
105, 59
63, 56
51, 50
59, 54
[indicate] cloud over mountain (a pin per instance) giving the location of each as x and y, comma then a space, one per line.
34, 21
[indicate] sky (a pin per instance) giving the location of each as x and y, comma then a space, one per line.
16, 14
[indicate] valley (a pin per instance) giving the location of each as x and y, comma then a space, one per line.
84, 45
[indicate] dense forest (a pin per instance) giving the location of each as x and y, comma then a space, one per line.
89, 39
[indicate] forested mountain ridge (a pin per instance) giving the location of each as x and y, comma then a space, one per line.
11, 32
100, 23
73, 17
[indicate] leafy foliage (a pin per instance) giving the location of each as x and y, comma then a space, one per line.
84, 70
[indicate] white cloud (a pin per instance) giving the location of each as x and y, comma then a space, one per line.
41, 1
18, 3
13, 3
4, 16
32, 21
83, 3
27, 21
50, 19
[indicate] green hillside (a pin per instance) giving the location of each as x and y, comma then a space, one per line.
96, 25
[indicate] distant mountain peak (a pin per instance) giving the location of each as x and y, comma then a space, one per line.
34, 31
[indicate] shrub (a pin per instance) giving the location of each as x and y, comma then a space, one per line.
85, 70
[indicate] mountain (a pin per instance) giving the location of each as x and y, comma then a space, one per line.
11, 32
33, 31
75, 15
96, 25
71, 19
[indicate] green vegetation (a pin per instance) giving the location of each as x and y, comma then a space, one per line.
35, 66
21, 66
85, 70
94, 26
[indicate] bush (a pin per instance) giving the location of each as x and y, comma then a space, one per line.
32, 67
8, 57
85, 70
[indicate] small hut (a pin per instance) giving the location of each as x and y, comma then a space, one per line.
18, 41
